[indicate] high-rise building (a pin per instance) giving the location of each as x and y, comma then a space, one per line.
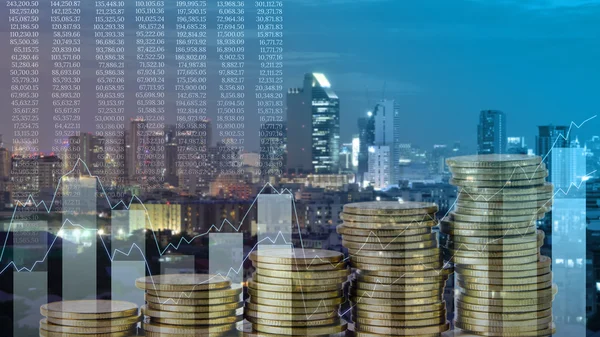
516, 145
346, 157
272, 149
379, 173
313, 115
387, 132
89, 149
491, 132
366, 137
171, 155
5, 163
192, 162
549, 137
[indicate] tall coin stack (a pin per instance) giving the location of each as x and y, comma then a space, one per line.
89, 318
296, 292
504, 286
190, 305
400, 275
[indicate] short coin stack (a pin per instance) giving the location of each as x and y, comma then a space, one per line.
89, 318
190, 305
401, 276
504, 286
296, 292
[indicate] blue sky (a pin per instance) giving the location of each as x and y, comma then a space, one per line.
445, 60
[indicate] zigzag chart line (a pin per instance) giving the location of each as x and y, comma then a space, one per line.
279, 234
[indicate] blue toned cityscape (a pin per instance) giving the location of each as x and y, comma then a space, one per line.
300, 168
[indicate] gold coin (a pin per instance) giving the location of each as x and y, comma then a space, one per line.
492, 316
89, 309
389, 219
406, 228
290, 317
500, 197
504, 302
300, 268
110, 328
208, 322
398, 254
295, 282
235, 289
379, 268
506, 294
386, 307
187, 315
294, 296
371, 235
190, 330
505, 281
492, 247
404, 302
390, 208
417, 323
489, 233
533, 324
495, 262
193, 308
389, 246
453, 224
501, 275
230, 333
298, 275
193, 301
503, 212
543, 262
304, 331
392, 287
504, 205
487, 192
430, 259
403, 316
498, 183
496, 218
504, 287
296, 257
182, 282
401, 281
499, 170
493, 161
46, 333
368, 334
297, 303
293, 288
487, 309
501, 176
313, 322
521, 332
384, 293
90, 323
404, 277
291, 310
403, 331
467, 253
508, 240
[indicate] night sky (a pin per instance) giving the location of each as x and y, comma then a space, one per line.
444, 61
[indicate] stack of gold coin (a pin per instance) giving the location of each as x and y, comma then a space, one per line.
296, 292
504, 286
400, 276
190, 305
89, 318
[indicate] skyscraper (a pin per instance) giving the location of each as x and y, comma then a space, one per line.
491, 132
313, 115
379, 173
516, 145
366, 137
387, 132
551, 136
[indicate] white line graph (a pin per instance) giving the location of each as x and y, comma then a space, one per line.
134, 247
